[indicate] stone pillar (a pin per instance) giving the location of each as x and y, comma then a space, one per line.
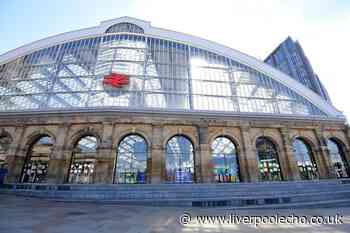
292, 170
15, 167
55, 171
104, 168
57, 162
251, 162
197, 164
106, 156
67, 156
207, 172
202, 155
325, 168
243, 165
157, 162
16, 156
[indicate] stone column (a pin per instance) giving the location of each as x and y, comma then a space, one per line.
325, 168
207, 173
57, 162
292, 172
67, 156
251, 162
243, 165
197, 164
202, 155
157, 163
105, 159
16, 156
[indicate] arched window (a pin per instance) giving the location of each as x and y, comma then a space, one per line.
36, 164
269, 167
131, 163
224, 160
179, 160
305, 160
83, 161
5, 142
125, 27
337, 157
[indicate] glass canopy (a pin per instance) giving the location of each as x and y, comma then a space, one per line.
162, 75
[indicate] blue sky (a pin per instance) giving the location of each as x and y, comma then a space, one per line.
252, 26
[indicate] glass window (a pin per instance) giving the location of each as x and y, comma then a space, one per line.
125, 27
224, 161
162, 74
337, 157
131, 160
269, 167
179, 160
36, 164
305, 160
83, 161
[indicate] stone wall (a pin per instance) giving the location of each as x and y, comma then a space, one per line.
157, 129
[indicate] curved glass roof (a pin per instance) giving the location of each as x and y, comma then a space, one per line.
163, 75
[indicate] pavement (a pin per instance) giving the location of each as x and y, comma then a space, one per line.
23, 214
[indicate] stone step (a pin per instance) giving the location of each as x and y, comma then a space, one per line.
190, 187
201, 195
248, 202
314, 204
210, 191
195, 193
170, 196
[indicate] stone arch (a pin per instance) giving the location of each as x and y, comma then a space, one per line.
230, 171
339, 137
270, 169
339, 141
189, 137
82, 163
188, 170
88, 131
231, 137
312, 144
342, 145
37, 134
36, 165
340, 164
272, 138
119, 137
132, 175
307, 170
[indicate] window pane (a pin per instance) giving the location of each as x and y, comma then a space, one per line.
179, 160
224, 161
131, 160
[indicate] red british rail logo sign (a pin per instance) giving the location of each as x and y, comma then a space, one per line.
116, 80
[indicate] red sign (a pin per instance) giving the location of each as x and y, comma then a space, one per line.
116, 80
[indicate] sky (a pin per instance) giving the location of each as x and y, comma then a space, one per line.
254, 27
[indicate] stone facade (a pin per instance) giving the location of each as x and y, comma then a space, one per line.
157, 129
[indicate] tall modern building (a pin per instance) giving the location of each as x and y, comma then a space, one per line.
126, 102
290, 58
